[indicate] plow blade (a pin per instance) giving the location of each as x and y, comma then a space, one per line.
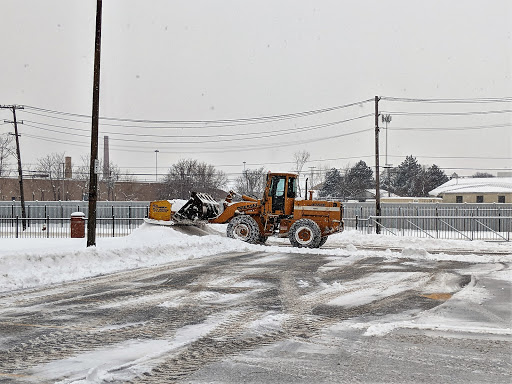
200, 208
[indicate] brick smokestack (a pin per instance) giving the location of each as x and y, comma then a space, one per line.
68, 172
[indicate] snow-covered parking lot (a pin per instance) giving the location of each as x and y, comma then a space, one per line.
164, 305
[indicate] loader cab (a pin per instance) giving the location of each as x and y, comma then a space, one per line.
281, 191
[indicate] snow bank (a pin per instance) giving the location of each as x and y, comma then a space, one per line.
358, 238
26, 263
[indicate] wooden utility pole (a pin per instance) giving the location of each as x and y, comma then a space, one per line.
377, 176
94, 165
18, 155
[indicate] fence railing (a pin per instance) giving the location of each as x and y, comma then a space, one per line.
61, 227
104, 209
488, 228
441, 221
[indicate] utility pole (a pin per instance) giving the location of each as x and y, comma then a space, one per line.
20, 171
94, 165
377, 176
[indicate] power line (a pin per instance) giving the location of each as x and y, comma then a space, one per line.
239, 120
203, 150
239, 136
188, 127
459, 157
402, 113
467, 128
451, 101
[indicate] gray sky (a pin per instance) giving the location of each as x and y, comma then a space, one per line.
216, 60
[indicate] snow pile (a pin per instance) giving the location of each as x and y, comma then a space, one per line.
33, 262
357, 238
26, 263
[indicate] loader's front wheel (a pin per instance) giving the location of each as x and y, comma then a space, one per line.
305, 233
244, 228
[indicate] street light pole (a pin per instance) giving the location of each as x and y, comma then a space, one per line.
387, 119
156, 164
246, 179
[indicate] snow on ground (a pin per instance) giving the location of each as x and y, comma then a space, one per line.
26, 263
127, 359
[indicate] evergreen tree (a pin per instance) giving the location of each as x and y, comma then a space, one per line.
332, 184
358, 179
407, 180
434, 177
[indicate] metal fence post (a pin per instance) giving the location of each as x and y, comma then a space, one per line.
437, 224
48, 226
17, 224
113, 225
471, 224
499, 220
356, 222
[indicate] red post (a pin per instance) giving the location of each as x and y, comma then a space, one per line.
77, 225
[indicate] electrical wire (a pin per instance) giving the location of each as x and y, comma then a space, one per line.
449, 128
451, 101
240, 136
202, 150
469, 113
240, 120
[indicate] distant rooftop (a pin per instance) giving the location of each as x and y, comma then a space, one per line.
475, 185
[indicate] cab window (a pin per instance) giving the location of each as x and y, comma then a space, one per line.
292, 187
278, 186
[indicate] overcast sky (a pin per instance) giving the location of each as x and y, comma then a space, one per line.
229, 60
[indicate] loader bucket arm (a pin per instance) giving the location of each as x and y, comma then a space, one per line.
201, 206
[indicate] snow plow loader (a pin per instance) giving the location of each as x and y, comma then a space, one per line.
306, 223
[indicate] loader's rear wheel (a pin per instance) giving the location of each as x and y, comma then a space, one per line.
322, 241
244, 228
305, 233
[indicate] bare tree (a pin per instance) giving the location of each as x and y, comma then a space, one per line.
52, 166
189, 175
114, 173
81, 173
6, 151
300, 158
252, 182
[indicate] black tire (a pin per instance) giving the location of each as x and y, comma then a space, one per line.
244, 228
305, 233
322, 240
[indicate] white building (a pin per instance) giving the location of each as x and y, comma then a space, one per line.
475, 190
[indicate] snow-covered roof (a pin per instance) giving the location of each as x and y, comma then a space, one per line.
475, 185
383, 193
